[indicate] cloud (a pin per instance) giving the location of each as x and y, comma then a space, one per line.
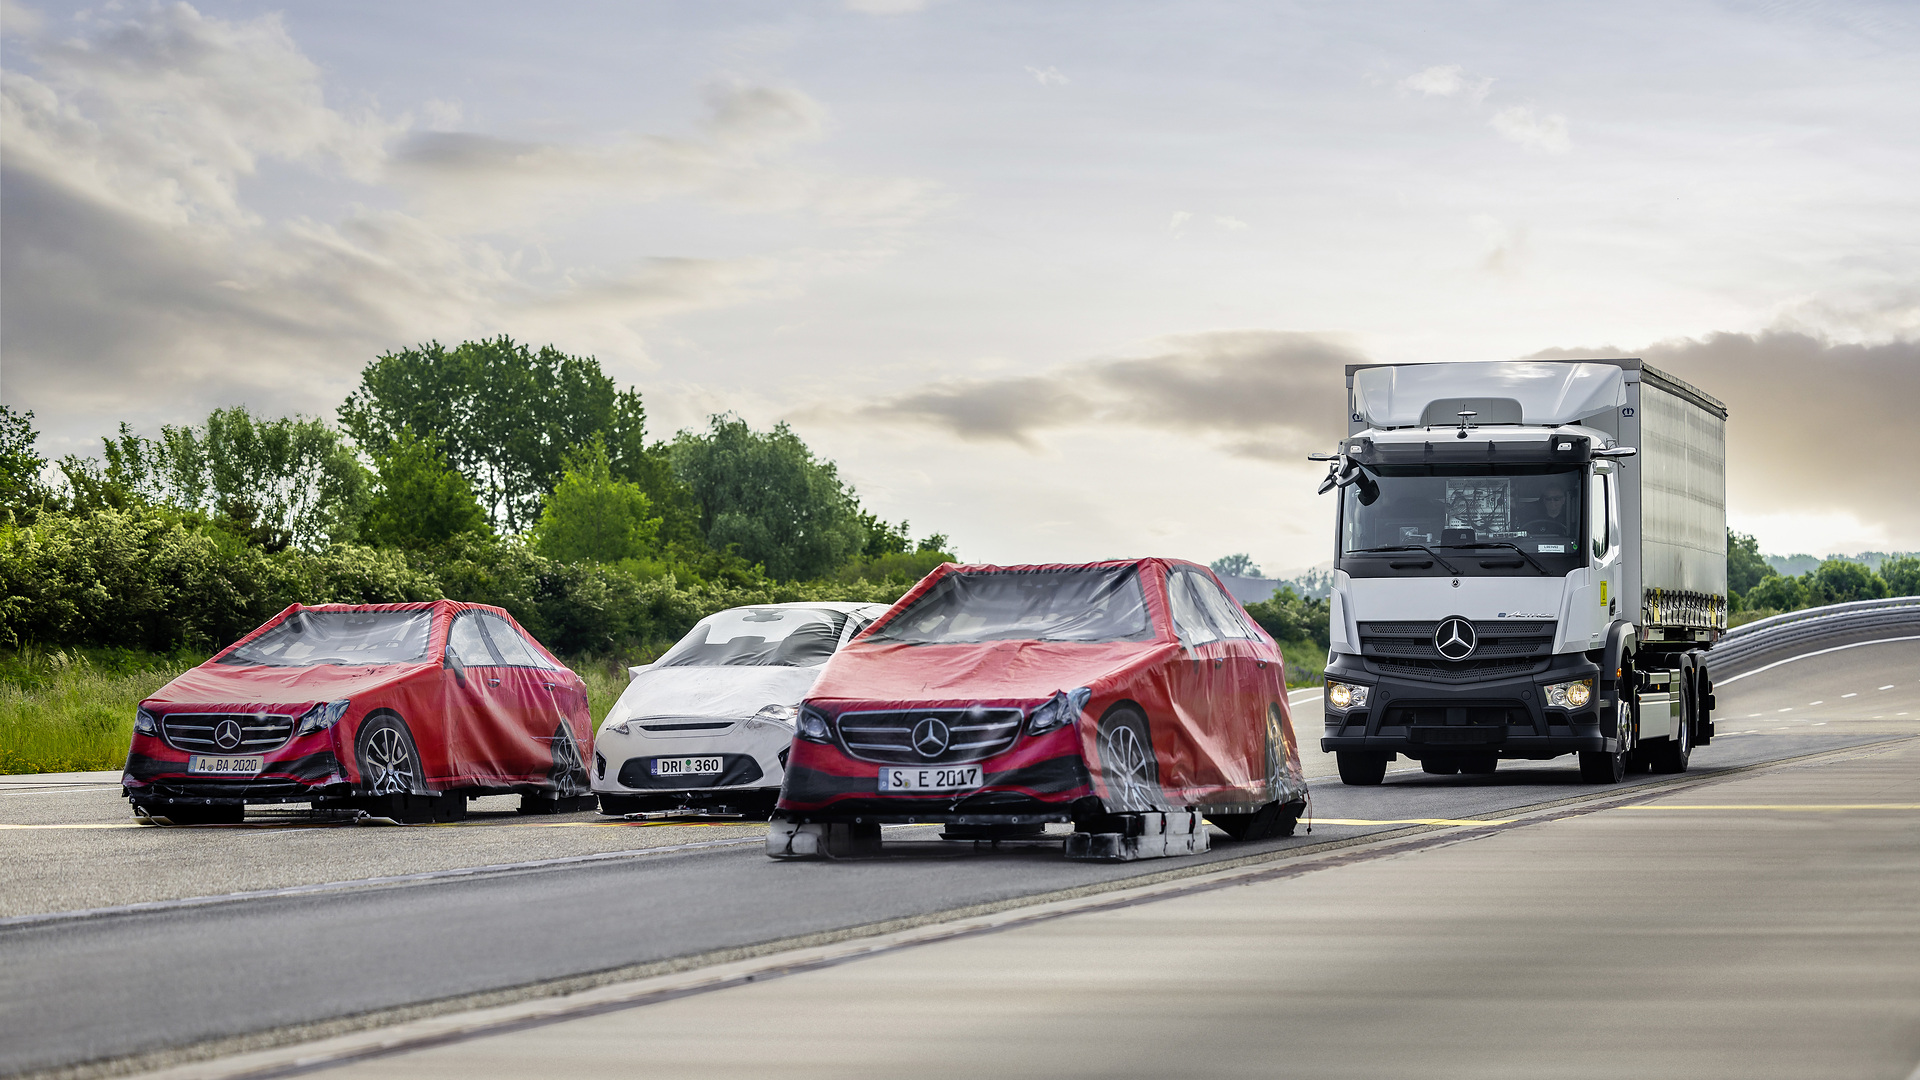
1447, 80
1264, 394
1814, 426
19, 20
1047, 76
1504, 248
1529, 127
138, 282
1177, 224
1232, 223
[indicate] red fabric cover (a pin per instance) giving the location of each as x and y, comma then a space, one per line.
496, 731
1217, 713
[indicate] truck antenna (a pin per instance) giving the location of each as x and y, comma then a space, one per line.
1466, 421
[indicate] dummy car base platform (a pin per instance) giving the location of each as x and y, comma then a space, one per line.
1125, 837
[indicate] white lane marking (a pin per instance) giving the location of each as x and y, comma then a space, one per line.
1844, 697
1812, 703
358, 883
1787, 709
1818, 652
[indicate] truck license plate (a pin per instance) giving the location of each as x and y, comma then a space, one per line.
950, 778
688, 766
208, 765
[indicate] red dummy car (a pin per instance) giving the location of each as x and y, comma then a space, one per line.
399, 710
996, 699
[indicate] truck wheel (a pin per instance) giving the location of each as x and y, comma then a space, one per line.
1671, 756
1361, 768
1600, 767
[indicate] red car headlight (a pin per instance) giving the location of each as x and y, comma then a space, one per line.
1058, 710
812, 725
321, 717
144, 723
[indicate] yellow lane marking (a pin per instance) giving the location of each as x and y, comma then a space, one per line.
1410, 821
1774, 806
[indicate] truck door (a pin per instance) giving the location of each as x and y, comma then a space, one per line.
1603, 538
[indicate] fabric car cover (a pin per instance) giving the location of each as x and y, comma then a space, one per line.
1210, 690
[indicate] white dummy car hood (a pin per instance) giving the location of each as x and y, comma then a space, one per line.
733, 693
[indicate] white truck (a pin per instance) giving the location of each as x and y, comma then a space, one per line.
1530, 560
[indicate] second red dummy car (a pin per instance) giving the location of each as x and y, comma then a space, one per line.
996, 699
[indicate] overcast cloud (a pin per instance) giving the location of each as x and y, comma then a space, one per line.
1058, 280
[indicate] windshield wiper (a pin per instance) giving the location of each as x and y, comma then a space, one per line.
1522, 552
1451, 569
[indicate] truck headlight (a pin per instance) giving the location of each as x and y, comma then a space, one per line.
321, 717
1570, 695
1058, 710
812, 726
144, 723
1346, 696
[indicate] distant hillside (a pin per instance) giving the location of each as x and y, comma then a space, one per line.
1795, 565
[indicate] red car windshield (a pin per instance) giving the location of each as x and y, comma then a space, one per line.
1080, 604
348, 638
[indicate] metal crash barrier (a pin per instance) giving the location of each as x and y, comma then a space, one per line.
1758, 643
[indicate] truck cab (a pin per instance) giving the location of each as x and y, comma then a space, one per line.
1514, 578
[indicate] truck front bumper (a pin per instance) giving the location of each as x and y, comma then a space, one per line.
1506, 715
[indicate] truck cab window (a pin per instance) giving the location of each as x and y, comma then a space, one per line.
1598, 521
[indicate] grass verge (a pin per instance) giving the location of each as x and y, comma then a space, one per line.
71, 710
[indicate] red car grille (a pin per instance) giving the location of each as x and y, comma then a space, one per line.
197, 732
899, 738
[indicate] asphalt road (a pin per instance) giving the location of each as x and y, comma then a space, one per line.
114, 984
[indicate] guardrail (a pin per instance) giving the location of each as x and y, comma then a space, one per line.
1746, 647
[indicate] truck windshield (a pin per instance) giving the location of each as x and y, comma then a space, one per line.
1457, 509
1091, 604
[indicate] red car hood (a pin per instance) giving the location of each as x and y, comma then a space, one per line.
225, 684
1002, 671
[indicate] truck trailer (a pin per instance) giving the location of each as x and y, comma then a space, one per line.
1530, 561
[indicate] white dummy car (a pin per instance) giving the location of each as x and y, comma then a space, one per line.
706, 727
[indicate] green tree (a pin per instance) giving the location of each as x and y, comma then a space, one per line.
884, 538
1779, 593
1839, 581
769, 498
1745, 567
1902, 576
506, 416
421, 500
592, 517
275, 482
1238, 564
1290, 617
20, 464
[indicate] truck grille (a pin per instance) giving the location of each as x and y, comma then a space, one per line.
1506, 647
888, 737
194, 732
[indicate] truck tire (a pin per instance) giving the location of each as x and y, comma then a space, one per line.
1671, 756
1600, 767
1362, 768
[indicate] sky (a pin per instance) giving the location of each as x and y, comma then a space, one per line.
1062, 281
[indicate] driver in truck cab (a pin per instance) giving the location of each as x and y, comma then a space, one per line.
1553, 515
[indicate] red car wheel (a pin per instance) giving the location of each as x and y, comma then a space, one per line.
389, 763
